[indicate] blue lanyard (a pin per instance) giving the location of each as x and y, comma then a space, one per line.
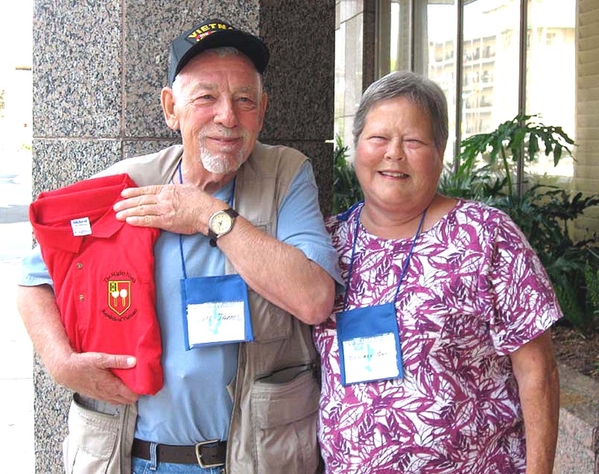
405, 265
181, 236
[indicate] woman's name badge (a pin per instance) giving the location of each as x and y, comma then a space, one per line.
216, 310
370, 358
369, 346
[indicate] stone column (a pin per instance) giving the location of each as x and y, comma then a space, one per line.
98, 69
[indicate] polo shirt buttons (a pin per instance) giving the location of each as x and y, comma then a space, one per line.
79, 266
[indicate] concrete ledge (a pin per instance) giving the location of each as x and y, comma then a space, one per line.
578, 437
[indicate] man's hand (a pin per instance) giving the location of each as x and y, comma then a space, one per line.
180, 209
89, 374
86, 373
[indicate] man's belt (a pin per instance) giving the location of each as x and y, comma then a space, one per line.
207, 453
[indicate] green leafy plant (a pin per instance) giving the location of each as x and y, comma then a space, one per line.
592, 282
479, 184
544, 213
346, 187
568, 262
515, 140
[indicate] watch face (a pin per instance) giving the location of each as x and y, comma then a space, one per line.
221, 223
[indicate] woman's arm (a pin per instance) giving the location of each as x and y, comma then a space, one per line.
536, 371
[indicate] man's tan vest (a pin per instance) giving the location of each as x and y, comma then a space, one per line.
276, 391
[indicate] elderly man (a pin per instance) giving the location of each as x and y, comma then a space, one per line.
243, 268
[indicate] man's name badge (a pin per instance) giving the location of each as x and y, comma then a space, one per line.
216, 310
213, 323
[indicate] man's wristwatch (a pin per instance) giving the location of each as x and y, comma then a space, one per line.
221, 223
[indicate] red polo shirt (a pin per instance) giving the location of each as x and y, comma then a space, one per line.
103, 275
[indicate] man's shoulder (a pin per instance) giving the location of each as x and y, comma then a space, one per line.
264, 151
153, 168
277, 159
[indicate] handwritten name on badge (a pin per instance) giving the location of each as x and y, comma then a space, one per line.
216, 322
370, 358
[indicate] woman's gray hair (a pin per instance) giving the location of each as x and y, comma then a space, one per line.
418, 89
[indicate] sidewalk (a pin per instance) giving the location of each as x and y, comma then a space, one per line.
16, 382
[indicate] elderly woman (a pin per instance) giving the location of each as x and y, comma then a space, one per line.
438, 357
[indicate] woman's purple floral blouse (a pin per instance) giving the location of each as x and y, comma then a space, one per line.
473, 293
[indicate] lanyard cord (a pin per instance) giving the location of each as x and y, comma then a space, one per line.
405, 265
181, 236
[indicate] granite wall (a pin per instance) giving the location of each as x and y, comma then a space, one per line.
98, 68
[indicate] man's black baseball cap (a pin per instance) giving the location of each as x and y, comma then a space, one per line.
214, 33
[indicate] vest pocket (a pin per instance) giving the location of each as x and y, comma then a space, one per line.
284, 407
91, 445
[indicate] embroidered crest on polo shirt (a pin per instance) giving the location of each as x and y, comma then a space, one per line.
119, 295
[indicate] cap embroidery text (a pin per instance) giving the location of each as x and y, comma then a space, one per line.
206, 30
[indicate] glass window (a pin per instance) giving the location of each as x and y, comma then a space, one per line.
490, 64
394, 36
423, 36
441, 30
400, 54
551, 75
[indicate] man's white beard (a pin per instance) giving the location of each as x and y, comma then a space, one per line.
219, 164
216, 164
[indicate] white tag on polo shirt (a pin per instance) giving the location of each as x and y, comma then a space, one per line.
81, 227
